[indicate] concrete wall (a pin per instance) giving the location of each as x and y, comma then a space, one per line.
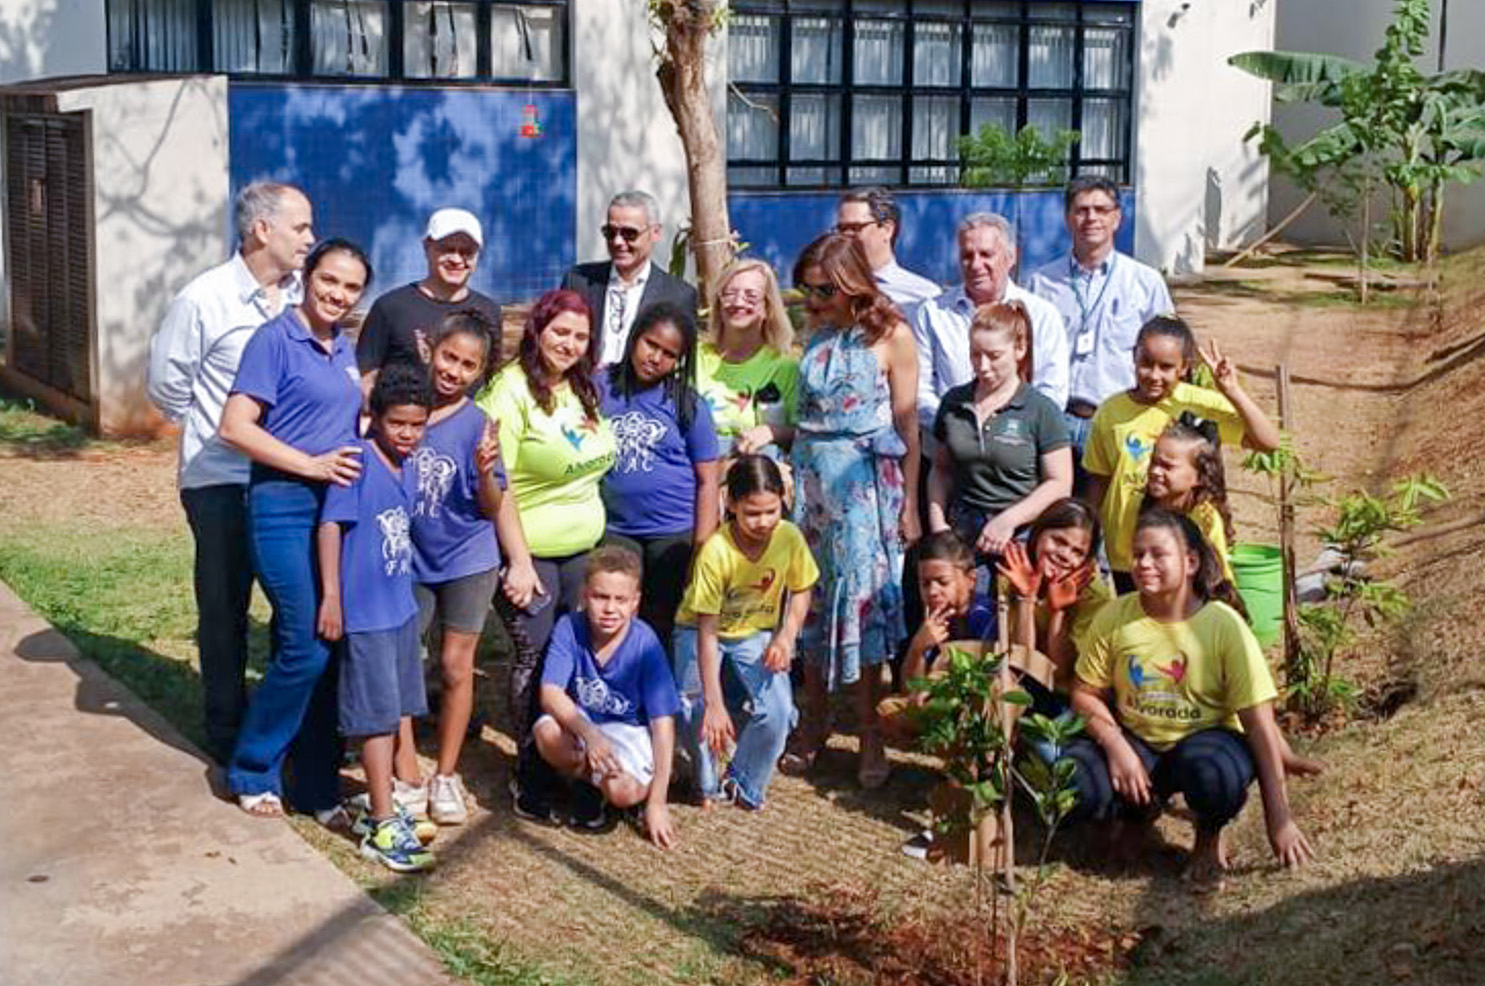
1199, 186
160, 212
625, 135
42, 39
1354, 28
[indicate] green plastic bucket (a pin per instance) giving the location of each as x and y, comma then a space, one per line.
1260, 581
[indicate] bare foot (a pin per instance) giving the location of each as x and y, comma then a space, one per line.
1298, 766
1207, 868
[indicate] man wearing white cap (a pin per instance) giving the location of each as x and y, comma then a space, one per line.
402, 321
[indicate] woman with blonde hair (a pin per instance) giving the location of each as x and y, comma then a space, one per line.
747, 371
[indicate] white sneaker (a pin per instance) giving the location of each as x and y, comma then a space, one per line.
413, 797
446, 804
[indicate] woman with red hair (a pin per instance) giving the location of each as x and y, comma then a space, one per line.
556, 448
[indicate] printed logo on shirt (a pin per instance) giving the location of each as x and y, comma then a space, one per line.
1159, 689
436, 474
396, 542
742, 398
636, 435
1136, 449
576, 436
594, 695
1012, 431
766, 582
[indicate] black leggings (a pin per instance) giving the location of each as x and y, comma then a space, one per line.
1211, 769
666, 561
531, 628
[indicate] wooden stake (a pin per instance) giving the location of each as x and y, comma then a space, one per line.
1286, 527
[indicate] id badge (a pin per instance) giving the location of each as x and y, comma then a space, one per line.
1083, 344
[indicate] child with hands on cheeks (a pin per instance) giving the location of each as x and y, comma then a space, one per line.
609, 703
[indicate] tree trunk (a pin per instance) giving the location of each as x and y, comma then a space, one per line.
682, 76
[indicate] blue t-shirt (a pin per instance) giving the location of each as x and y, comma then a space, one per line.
376, 556
651, 490
452, 538
311, 399
977, 623
635, 685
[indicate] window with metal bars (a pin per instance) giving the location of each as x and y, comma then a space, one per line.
852, 92
443, 40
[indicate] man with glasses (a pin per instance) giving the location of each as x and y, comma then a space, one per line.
871, 216
1103, 297
619, 289
400, 326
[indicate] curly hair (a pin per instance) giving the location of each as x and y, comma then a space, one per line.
538, 377
843, 260
1211, 473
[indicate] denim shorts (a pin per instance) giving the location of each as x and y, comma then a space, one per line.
461, 605
381, 680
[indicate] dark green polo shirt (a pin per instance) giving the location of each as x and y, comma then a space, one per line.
998, 465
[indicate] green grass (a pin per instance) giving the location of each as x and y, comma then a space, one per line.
27, 431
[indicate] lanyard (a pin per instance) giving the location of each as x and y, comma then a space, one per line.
1097, 305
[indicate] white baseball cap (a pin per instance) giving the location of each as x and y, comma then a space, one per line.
447, 222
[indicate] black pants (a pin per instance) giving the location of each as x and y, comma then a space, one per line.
1211, 769
667, 560
223, 580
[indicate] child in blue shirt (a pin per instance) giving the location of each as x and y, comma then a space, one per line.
609, 702
662, 495
366, 571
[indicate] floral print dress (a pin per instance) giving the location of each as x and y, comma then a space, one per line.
849, 495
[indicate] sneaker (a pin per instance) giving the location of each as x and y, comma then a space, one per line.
392, 843
360, 809
446, 804
590, 816
413, 797
530, 806
919, 845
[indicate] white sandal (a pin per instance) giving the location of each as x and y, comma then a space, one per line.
264, 804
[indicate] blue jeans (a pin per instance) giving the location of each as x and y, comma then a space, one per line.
760, 701
1079, 430
224, 585
292, 713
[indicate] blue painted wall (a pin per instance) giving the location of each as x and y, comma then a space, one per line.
778, 225
376, 160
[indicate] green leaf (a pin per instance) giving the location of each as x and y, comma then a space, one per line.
1306, 75
1016, 697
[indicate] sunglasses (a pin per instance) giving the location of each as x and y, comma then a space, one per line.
851, 229
825, 291
628, 234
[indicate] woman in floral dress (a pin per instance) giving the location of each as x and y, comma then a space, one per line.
855, 458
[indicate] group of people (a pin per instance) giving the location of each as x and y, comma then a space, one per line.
675, 520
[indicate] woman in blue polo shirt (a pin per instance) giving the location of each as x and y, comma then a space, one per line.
661, 496
1003, 453
293, 410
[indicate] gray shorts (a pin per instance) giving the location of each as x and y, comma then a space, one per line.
461, 605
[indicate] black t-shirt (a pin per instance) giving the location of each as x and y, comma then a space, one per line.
390, 333
999, 464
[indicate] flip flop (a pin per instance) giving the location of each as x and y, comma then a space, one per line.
265, 804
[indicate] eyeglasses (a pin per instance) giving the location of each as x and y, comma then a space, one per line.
627, 233
1083, 211
851, 229
746, 297
825, 291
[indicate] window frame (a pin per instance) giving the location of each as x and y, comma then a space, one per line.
303, 57
971, 15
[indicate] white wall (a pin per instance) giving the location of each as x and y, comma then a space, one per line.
43, 39
625, 135
160, 206
1354, 28
1199, 186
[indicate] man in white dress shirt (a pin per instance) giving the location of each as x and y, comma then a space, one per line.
193, 362
871, 216
1103, 296
987, 254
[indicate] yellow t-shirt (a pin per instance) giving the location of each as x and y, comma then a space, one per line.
1174, 679
759, 390
1121, 439
553, 463
747, 596
1209, 522
1090, 603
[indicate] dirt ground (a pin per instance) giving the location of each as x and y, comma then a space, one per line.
1377, 394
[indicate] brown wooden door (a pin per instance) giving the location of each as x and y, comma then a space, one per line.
49, 261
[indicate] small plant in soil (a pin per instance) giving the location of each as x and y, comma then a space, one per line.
1360, 521
967, 719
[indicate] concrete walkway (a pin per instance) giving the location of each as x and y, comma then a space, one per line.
118, 866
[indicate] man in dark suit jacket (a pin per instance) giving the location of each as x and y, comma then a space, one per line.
619, 289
